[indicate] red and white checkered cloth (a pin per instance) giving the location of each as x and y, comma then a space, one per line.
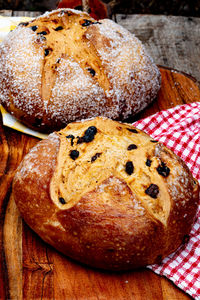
179, 129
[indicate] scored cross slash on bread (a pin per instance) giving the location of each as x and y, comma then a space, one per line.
110, 196
61, 44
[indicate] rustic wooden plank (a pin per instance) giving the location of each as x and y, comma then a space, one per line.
13, 146
18, 13
38, 275
6, 13
171, 41
4, 150
74, 281
31, 14
13, 250
170, 293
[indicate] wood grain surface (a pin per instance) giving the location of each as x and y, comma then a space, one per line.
31, 269
172, 41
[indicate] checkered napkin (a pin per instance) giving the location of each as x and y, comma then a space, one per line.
179, 129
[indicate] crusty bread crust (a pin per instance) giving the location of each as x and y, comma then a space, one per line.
65, 66
106, 194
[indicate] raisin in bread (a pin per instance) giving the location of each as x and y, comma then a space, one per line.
66, 66
106, 194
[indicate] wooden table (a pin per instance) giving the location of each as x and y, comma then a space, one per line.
29, 268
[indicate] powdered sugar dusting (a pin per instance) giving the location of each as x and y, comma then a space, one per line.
29, 164
20, 70
91, 101
129, 61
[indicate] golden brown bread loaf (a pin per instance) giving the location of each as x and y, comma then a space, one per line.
106, 194
65, 66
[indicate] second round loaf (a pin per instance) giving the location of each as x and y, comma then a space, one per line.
65, 66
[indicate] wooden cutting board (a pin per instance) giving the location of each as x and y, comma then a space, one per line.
31, 269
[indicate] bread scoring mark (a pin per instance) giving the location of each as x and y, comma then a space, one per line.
82, 175
65, 41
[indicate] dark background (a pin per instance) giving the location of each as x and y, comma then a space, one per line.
166, 7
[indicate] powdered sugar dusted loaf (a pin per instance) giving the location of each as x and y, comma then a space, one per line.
65, 66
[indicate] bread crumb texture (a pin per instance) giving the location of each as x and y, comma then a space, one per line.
110, 196
65, 66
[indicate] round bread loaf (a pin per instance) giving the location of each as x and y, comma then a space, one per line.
106, 194
66, 66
